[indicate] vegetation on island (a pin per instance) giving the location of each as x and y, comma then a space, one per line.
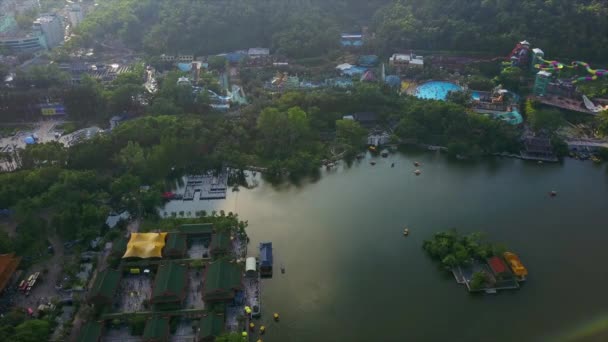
452, 249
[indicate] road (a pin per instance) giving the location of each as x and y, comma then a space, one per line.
44, 289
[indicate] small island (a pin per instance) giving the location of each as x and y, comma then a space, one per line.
479, 265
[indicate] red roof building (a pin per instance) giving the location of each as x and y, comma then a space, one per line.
497, 265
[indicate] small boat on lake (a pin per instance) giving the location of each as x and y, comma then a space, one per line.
416, 164
283, 269
417, 172
553, 193
406, 232
384, 154
373, 163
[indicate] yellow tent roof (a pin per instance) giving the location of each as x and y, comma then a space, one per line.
145, 245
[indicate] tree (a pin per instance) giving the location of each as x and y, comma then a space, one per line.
510, 78
462, 98
478, 280
603, 122
350, 133
217, 62
85, 100
546, 119
32, 331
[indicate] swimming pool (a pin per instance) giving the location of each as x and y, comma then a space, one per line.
436, 90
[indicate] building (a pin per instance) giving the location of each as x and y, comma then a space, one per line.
21, 44
178, 58
169, 289
258, 52
91, 332
251, 267
498, 266
50, 28
104, 288
196, 230
403, 60
184, 81
516, 266
145, 245
210, 326
378, 139
8, 266
351, 40
220, 244
366, 119
541, 83
266, 259
75, 14
367, 60
222, 281
176, 246
538, 148
156, 330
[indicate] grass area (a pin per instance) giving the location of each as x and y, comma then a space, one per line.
7, 131
67, 127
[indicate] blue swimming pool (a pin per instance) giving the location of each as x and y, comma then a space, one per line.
436, 90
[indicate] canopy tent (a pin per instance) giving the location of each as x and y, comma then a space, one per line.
29, 140
145, 245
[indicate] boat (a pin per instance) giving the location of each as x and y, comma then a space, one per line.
393, 165
360, 156
266, 260
406, 232
384, 154
416, 164
516, 266
373, 148
417, 172
282, 269
596, 159
373, 163
553, 193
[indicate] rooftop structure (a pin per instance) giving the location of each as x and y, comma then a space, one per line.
176, 245
220, 244
210, 326
516, 266
156, 329
351, 40
105, 286
196, 229
250, 267
368, 60
145, 245
170, 284
50, 27
538, 148
21, 44
402, 60
91, 332
113, 219
8, 266
266, 259
75, 14
497, 265
222, 280
258, 52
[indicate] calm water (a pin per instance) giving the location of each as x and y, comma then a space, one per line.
352, 276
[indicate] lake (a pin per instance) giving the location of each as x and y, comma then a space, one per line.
352, 276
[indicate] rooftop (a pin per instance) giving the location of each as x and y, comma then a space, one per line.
157, 329
220, 242
222, 278
145, 245
105, 285
90, 332
497, 265
170, 283
210, 326
201, 228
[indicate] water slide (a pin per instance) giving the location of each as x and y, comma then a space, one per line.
595, 73
591, 106
549, 65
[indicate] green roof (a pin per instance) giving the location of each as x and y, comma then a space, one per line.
222, 278
211, 326
220, 243
157, 329
106, 284
170, 283
176, 243
200, 228
90, 332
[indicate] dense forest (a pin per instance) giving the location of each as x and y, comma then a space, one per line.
575, 29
